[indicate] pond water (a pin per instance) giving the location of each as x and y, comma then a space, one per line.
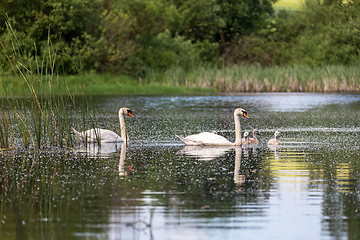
156, 188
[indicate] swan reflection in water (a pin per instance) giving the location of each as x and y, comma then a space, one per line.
211, 153
205, 153
107, 150
241, 179
275, 149
122, 170
94, 150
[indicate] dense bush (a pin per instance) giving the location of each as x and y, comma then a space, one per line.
70, 27
320, 34
133, 36
125, 36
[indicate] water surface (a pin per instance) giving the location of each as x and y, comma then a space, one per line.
308, 188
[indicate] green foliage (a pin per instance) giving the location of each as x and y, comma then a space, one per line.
320, 34
70, 26
132, 36
164, 51
250, 50
126, 36
221, 22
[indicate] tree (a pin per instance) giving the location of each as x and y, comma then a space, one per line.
219, 22
320, 34
68, 26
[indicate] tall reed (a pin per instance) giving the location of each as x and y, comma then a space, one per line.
4, 130
257, 79
42, 114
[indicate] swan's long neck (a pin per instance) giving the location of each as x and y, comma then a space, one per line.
237, 130
122, 125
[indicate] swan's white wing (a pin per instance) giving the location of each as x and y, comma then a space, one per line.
109, 136
90, 135
273, 142
103, 135
205, 138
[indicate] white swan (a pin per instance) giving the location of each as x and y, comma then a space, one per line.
103, 135
209, 139
254, 139
275, 141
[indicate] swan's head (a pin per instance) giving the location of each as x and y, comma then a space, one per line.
241, 111
127, 111
246, 134
277, 134
256, 132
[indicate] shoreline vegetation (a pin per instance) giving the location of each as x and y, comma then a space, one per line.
38, 111
251, 79
120, 50
46, 86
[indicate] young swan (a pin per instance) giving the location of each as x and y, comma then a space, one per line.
245, 139
254, 139
275, 141
211, 139
103, 135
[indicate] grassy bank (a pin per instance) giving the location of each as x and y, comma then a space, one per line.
205, 79
94, 84
288, 4
272, 79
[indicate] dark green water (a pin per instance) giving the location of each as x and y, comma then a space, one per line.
308, 188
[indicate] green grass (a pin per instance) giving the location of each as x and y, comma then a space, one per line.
200, 79
289, 3
95, 84
123, 84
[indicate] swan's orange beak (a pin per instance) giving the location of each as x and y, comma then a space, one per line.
245, 115
129, 112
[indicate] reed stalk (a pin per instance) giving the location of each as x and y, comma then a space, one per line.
257, 79
4, 130
43, 115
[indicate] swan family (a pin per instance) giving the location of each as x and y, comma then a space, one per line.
213, 139
98, 135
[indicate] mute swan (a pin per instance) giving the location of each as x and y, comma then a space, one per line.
245, 139
104, 135
208, 139
254, 139
275, 141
